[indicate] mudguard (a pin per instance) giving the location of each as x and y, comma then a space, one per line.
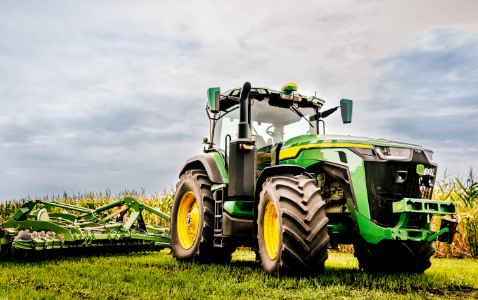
212, 162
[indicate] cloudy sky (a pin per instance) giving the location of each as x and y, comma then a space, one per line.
98, 95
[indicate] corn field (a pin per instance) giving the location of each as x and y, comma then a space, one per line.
463, 191
161, 202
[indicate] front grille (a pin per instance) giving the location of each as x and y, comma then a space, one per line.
382, 189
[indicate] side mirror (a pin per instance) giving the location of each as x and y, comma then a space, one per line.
346, 109
213, 95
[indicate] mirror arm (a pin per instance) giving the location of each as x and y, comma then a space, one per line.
328, 112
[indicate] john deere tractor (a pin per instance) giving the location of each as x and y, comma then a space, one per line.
269, 179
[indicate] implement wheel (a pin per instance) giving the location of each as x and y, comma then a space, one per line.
292, 226
393, 256
5, 251
192, 221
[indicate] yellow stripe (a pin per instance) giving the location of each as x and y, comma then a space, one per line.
292, 151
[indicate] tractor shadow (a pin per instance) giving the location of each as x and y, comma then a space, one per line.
344, 271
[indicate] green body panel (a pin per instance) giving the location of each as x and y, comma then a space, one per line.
239, 208
354, 164
220, 164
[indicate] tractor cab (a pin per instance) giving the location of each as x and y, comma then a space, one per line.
272, 122
272, 116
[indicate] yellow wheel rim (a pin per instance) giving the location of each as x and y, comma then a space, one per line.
271, 230
188, 220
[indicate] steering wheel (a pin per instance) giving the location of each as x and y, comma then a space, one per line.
269, 131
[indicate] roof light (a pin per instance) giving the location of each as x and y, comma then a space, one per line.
289, 87
299, 99
282, 96
291, 97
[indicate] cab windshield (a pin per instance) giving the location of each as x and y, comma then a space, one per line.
270, 124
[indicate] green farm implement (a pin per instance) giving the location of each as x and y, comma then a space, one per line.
36, 230
271, 179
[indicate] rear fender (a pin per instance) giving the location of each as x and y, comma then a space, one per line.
212, 162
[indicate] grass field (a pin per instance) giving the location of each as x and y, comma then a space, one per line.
160, 276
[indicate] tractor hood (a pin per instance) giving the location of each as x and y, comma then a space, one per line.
291, 148
346, 140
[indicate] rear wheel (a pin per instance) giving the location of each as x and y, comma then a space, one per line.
394, 256
192, 221
292, 226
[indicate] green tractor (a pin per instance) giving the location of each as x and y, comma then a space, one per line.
269, 179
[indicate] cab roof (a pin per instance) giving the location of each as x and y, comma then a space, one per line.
279, 98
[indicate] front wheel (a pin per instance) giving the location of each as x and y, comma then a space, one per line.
292, 226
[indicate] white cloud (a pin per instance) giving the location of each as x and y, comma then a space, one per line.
111, 94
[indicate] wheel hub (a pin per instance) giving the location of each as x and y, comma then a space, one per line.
188, 220
271, 231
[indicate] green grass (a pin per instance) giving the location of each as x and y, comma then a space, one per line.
160, 276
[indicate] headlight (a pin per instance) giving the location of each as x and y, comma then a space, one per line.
431, 157
393, 153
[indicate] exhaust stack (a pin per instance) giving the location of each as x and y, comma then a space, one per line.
243, 127
242, 154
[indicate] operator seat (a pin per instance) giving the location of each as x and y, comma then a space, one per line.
260, 142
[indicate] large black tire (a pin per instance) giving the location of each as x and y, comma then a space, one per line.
390, 256
302, 224
197, 182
